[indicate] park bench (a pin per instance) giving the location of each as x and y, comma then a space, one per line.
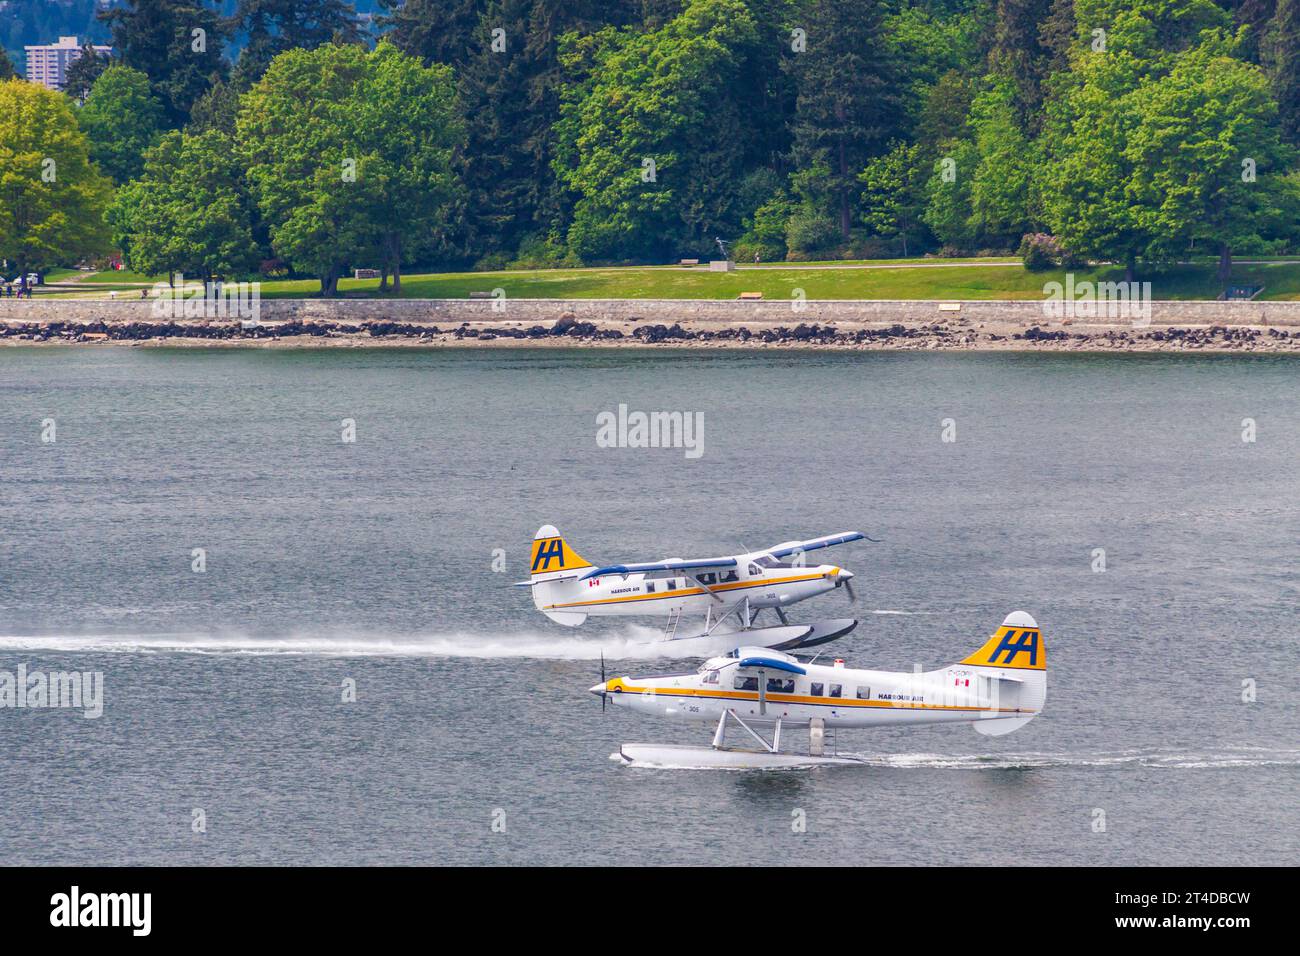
689, 262
949, 306
480, 295
750, 295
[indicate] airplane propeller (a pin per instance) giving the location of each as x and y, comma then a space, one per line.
845, 579
602, 681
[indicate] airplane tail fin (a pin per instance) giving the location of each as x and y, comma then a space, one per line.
554, 569
1011, 671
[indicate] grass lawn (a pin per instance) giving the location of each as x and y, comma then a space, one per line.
114, 277
1281, 281
944, 279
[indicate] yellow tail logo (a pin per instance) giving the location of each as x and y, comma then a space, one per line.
1019, 647
554, 554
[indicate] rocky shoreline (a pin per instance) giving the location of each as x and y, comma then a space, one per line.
957, 334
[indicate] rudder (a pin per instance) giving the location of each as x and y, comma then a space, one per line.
554, 569
1012, 665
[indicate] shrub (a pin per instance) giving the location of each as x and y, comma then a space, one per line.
1039, 251
809, 231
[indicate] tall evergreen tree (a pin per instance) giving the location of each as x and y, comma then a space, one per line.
176, 43
1281, 57
83, 72
848, 103
1019, 54
1255, 14
500, 168
1056, 35
509, 95
437, 31
273, 26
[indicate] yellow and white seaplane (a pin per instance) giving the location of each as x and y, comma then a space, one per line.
998, 689
728, 592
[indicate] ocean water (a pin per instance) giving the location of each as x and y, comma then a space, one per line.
332, 562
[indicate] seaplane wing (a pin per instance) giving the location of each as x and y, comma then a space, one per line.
787, 548
674, 565
763, 662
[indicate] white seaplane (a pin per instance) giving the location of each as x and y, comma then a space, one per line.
728, 592
999, 688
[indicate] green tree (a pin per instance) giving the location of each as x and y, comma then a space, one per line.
7, 71
646, 140
83, 72
1002, 191
349, 154
1019, 55
436, 31
273, 26
52, 198
948, 210
945, 111
1088, 176
934, 50
849, 102
176, 43
505, 172
1280, 54
121, 119
190, 210
1208, 162
893, 194
217, 108
1087, 181
765, 229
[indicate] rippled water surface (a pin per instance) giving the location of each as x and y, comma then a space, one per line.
372, 562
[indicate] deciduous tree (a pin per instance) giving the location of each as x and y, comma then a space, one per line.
121, 119
52, 198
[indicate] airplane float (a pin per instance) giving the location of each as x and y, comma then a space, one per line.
728, 592
998, 689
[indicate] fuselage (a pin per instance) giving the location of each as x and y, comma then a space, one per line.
840, 696
765, 581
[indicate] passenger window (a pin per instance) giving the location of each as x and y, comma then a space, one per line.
649, 587
729, 576
777, 685
755, 571
835, 690
745, 683
864, 693
817, 690
707, 577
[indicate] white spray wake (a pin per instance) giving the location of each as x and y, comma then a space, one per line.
1174, 759
632, 643
1114, 760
